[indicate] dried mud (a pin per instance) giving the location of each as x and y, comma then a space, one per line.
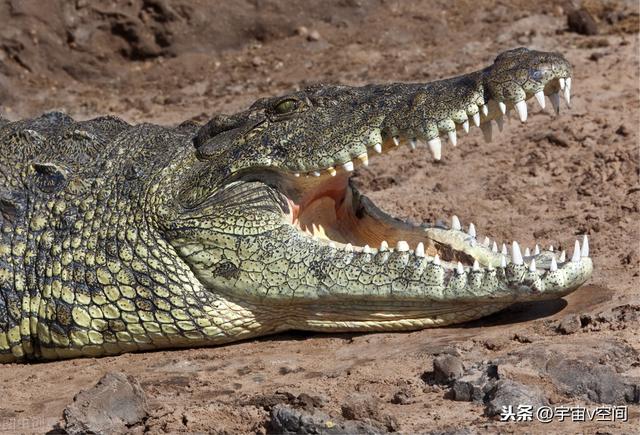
547, 182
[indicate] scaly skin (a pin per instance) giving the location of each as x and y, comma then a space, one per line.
118, 238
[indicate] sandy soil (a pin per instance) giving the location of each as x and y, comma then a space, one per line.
547, 182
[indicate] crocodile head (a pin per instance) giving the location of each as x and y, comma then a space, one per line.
268, 212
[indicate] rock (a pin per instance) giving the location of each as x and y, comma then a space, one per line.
113, 405
580, 21
402, 397
475, 384
510, 393
569, 324
314, 35
360, 407
597, 382
447, 369
287, 420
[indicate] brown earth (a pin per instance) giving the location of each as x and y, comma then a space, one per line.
547, 182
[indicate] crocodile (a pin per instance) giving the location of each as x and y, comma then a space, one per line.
117, 238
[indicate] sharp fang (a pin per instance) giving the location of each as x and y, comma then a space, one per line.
452, 137
494, 248
476, 119
532, 266
455, 223
348, 166
561, 82
521, 107
575, 258
332, 171
487, 131
504, 249
460, 269
364, 159
536, 250
503, 107
585, 246
402, 246
384, 246
436, 260
555, 102
503, 261
517, 255
500, 122
396, 140
316, 173
540, 97
472, 230
554, 265
465, 126
485, 109
435, 146
527, 253
349, 247
486, 241
413, 142
378, 148
366, 249
563, 257
567, 91
420, 250
476, 265
551, 248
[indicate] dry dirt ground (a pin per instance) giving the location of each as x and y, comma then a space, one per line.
546, 181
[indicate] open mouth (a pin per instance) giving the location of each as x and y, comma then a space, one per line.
325, 207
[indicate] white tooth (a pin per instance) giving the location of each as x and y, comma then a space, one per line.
494, 248
402, 246
500, 122
517, 255
435, 146
487, 131
576, 251
436, 260
561, 82
567, 92
563, 257
455, 223
503, 107
412, 143
348, 166
316, 173
349, 247
364, 159
384, 246
536, 250
420, 250
527, 253
540, 97
465, 126
452, 137
503, 261
476, 119
396, 140
460, 269
555, 101
476, 265
366, 249
532, 266
554, 265
485, 109
472, 230
551, 248
504, 249
378, 148
332, 245
585, 246
521, 107
486, 241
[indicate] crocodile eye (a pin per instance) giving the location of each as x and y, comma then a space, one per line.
285, 106
536, 74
